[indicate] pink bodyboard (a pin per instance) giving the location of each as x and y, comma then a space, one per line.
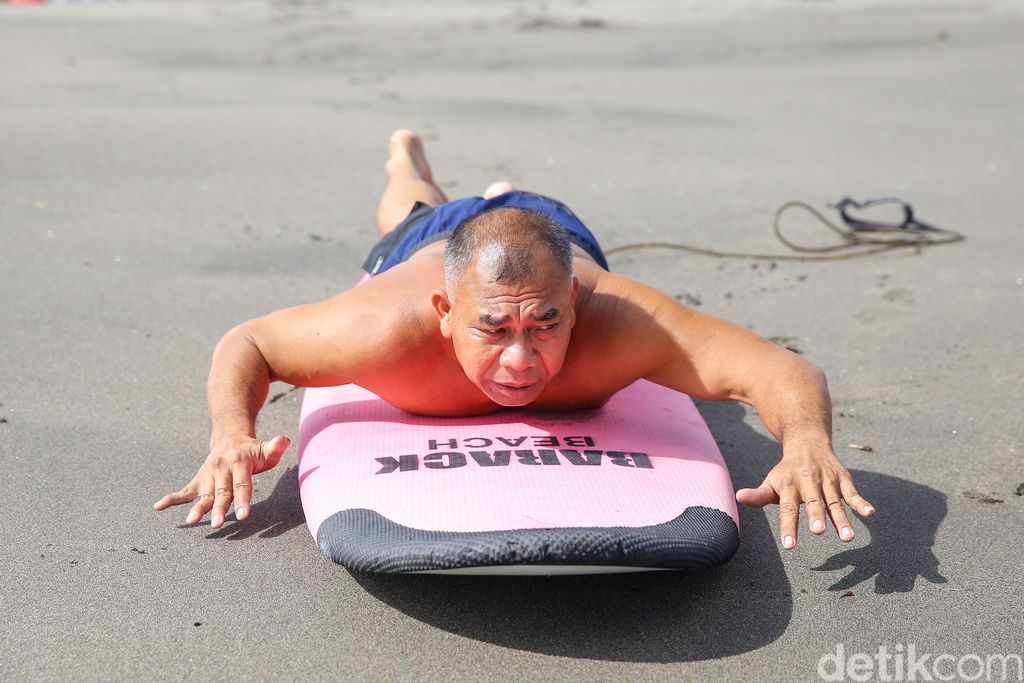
638, 484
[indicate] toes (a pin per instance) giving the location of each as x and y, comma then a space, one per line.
404, 138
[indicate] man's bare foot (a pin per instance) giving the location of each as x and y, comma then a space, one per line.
406, 156
500, 187
409, 181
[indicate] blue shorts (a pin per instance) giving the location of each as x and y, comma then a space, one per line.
427, 224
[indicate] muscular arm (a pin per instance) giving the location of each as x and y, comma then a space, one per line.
317, 344
237, 386
320, 344
713, 359
710, 358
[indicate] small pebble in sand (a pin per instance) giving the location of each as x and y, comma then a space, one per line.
1020, 489
847, 594
982, 497
688, 299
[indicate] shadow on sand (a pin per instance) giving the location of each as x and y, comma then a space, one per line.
278, 513
656, 616
644, 617
900, 550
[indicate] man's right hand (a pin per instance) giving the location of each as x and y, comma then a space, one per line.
225, 476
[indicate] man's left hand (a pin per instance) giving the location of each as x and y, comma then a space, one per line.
811, 476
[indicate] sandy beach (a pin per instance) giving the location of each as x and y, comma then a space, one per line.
170, 169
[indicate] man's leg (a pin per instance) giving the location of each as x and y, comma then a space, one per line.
409, 181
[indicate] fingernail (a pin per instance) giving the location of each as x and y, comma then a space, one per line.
818, 525
787, 542
218, 520
846, 534
192, 517
239, 513
868, 510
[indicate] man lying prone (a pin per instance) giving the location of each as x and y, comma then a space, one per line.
506, 300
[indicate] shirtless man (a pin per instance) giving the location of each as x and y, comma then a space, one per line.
516, 308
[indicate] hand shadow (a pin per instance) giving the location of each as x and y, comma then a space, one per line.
281, 511
902, 536
670, 616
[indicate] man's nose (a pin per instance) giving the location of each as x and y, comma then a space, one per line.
519, 355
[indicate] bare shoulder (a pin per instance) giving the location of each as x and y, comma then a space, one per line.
616, 339
622, 304
353, 335
610, 283
648, 334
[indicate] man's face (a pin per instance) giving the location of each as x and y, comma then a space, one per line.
510, 339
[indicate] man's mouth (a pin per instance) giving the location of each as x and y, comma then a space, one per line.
515, 389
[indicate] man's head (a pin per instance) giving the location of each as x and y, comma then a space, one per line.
508, 304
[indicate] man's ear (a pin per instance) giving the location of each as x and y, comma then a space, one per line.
443, 307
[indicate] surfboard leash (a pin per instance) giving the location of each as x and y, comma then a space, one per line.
859, 237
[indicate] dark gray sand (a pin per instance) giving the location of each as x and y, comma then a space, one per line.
169, 170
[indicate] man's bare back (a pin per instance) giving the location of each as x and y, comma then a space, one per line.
518, 322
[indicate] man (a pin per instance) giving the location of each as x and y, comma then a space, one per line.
515, 308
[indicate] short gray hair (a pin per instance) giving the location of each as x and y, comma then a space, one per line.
516, 232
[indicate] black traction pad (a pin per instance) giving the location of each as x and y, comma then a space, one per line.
364, 541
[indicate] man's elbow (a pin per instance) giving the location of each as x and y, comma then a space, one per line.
787, 372
243, 342
809, 375
239, 334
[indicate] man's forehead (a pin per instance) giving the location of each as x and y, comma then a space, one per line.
481, 294
494, 259
487, 291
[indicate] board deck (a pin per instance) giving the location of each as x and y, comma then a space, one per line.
638, 484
